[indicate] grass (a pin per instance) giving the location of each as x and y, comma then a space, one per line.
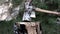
6, 28
48, 28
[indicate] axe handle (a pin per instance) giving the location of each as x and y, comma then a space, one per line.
47, 11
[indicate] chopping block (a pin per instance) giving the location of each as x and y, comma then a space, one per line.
31, 27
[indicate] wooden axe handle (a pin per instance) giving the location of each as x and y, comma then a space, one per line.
47, 11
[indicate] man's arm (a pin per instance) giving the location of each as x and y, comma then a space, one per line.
47, 11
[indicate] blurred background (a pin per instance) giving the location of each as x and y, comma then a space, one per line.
50, 23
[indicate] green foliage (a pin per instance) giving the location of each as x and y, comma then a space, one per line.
48, 21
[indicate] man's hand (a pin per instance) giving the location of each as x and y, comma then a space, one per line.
58, 14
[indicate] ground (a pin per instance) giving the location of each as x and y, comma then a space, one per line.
48, 22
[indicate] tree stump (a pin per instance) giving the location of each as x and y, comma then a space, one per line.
31, 27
